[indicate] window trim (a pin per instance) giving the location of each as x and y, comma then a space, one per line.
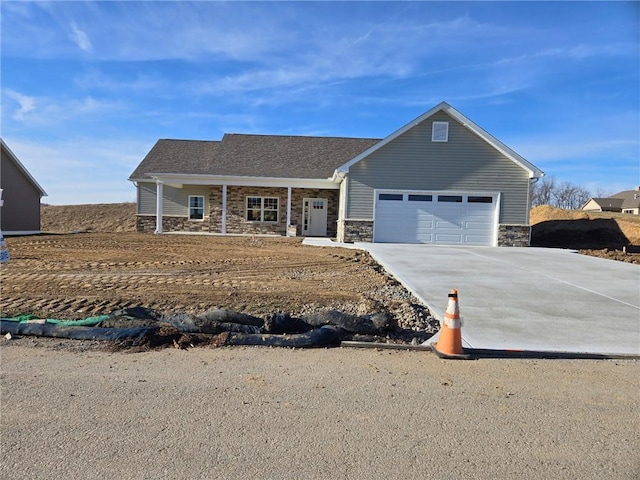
262, 209
191, 208
439, 137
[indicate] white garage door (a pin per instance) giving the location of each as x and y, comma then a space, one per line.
446, 218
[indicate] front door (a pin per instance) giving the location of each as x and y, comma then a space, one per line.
314, 217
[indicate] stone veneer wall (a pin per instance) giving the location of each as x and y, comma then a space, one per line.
236, 209
215, 209
147, 224
355, 231
236, 212
514, 235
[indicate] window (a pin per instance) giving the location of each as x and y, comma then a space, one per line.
420, 198
450, 198
480, 199
196, 207
390, 196
262, 209
440, 132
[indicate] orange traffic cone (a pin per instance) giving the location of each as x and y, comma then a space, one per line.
449, 344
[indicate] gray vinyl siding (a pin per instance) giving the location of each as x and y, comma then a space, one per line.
176, 200
413, 162
21, 210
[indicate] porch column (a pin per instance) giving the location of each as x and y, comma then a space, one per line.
288, 206
224, 210
158, 206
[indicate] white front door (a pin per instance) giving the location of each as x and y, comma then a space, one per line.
314, 217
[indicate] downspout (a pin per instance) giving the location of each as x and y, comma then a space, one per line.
533, 180
159, 194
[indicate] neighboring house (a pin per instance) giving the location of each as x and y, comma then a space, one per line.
21, 194
627, 201
439, 179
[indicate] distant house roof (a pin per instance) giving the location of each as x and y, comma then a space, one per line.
619, 201
629, 198
12, 156
274, 156
608, 203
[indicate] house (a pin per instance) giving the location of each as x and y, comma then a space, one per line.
21, 194
627, 201
439, 179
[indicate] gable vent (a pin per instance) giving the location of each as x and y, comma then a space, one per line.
440, 132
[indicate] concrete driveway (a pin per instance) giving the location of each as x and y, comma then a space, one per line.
525, 298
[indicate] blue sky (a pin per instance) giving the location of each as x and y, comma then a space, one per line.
88, 87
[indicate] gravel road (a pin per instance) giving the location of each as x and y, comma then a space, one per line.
239, 413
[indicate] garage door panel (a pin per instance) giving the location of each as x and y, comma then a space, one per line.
481, 226
447, 238
424, 226
477, 239
446, 225
435, 217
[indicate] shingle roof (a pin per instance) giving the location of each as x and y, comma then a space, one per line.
275, 156
609, 202
178, 156
629, 198
621, 200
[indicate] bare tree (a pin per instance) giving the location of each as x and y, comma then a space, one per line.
542, 191
570, 196
564, 195
601, 193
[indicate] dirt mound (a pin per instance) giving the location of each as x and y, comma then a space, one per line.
601, 234
545, 213
99, 218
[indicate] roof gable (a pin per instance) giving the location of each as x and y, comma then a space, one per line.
7, 153
534, 172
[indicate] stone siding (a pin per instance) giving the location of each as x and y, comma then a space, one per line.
355, 231
215, 209
147, 224
514, 235
236, 212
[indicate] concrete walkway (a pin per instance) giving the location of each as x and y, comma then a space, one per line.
525, 298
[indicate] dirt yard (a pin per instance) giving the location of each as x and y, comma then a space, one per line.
72, 276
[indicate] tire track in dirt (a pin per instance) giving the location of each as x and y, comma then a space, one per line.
73, 276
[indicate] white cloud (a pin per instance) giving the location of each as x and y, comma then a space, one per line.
80, 38
52, 111
26, 103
